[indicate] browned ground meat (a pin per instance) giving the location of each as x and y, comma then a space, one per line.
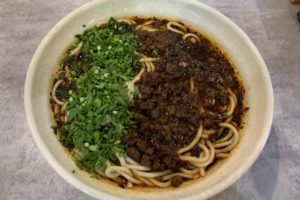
176, 181
167, 111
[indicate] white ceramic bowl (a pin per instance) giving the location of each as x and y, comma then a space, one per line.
208, 21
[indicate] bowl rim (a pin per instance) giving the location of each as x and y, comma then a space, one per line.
94, 192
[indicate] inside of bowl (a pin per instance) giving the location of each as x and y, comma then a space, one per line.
240, 50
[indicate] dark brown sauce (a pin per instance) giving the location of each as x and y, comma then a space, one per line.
167, 113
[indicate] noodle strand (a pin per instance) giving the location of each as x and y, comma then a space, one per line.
194, 142
235, 136
182, 29
54, 92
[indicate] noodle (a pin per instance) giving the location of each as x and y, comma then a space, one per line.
146, 59
182, 29
235, 138
101, 173
231, 106
205, 136
159, 183
127, 21
233, 95
151, 174
152, 66
202, 171
223, 144
195, 159
148, 67
146, 27
121, 160
130, 84
130, 161
190, 172
77, 49
115, 171
227, 137
145, 24
100, 23
64, 107
194, 142
65, 118
58, 73
148, 22
145, 180
148, 62
210, 143
130, 178
209, 132
211, 156
192, 85
55, 109
137, 167
202, 141
129, 185
54, 93
222, 155
132, 166
194, 37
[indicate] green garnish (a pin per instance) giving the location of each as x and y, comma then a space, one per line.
97, 111
154, 53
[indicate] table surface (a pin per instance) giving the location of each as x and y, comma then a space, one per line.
271, 24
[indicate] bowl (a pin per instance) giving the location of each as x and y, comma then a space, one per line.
208, 21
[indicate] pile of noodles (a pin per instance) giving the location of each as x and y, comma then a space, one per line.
135, 173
